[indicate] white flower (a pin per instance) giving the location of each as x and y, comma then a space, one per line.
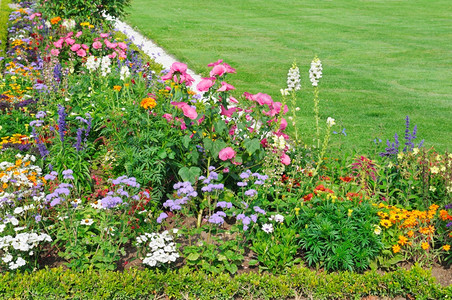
87, 222
7, 258
315, 72
277, 218
92, 63
377, 229
105, 66
68, 23
124, 73
330, 122
285, 92
268, 228
293, 79
18, 210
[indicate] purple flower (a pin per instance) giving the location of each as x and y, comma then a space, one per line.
37, 218
253, 218
217, 218
242, 184
244, 175
40, 114
224, 204
111, 202
211, 168
67, 174
162, 217
259, 210
55, 202
61, 121
251, 193
448, 206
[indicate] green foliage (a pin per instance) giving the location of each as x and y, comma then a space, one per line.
84, 10
4, 15
275, 251
299, 282
338, 235
215, 258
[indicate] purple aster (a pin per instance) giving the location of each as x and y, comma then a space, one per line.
111, 202
244, 175
67, 174
224, 204
162, 217
259, 210
251, 193
242, 184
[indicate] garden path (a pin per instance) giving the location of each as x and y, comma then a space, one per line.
151, 49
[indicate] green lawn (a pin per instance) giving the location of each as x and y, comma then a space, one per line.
382, 59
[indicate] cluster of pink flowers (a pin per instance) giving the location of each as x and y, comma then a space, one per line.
81, 49
179, 69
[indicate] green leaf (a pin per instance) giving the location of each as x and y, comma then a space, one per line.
253, 262
220, 126
221, 257
186, 140
193, 256
189, 174
252, 145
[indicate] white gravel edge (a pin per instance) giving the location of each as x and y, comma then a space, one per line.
151, 49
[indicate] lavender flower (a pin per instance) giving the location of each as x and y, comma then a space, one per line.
111, 202
242, 184
224, 204
161, 217
251, 193
61, 121
67, 174
259, 210
217, 218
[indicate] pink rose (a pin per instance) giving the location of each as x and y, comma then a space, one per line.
285, 159
78, 34
188, 111
225, 87
59, 43
263, 99
205, 84
226, 153
122, 45
70, 41
233, 100
55, 52
75, 47
104, 35
81, 53
215, 63
97, 45
179, 67
84, 46
185, 77
228, 112
217, 70
283, 124
168, 117
168, 76
228, 68
113, 55
109, 44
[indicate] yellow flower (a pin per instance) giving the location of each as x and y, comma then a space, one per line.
385, 223
297, 211
415, 151
402, 240
446, 247
350, 212
117, 88
434, 170
148, 103
396, 248
410, 233
377, 230
400, 155
425, 246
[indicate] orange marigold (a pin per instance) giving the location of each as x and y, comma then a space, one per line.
148, 103
410, 233
402, 240
443, 214
446, 247
396, 248
117, 88
425, 246
55, 20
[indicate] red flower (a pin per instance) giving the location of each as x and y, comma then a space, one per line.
346, 179
308, 197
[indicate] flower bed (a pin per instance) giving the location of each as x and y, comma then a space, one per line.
106, 162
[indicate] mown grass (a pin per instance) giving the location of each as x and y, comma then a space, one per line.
4, 15
382, 59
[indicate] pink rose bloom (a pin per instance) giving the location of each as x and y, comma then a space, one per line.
228, 112
97, 45
215, 63
228, 68
201, 120
233, 100
225, 87
182, 123
84, 47
81, 53
185, 77
122, 45
168, 76
121, 54
263, 99
179, 67
55, 52
59, 43
104, 35
168, 117
226, 153
113, 55
75, 47
205, 84
78, 34
70, 34
70, 41
217, 70
109, 44
188, 111
285, 159
283, 124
